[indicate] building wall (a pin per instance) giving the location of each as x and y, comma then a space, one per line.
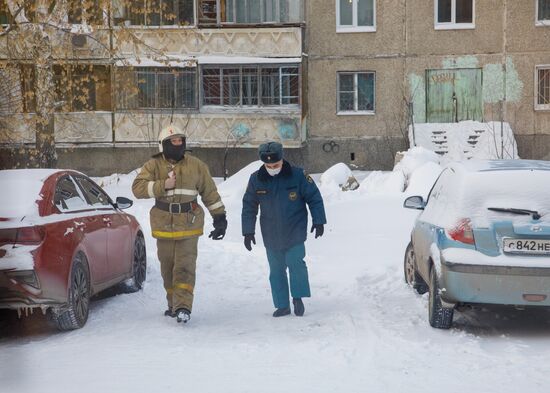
506, 44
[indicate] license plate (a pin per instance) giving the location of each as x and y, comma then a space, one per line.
526, 246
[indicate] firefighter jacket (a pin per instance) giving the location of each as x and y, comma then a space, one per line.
192, 179
282, 201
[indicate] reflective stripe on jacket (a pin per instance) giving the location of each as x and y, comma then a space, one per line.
192, 179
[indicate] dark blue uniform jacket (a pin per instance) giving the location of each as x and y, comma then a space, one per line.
282, 201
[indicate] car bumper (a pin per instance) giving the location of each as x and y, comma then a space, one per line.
486, 284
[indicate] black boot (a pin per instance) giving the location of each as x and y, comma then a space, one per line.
298, 306
280, 312
169, 313
183, 315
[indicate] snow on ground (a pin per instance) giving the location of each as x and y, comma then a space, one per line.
364, 330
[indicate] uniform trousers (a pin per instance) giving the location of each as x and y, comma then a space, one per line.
293, 259
178, 262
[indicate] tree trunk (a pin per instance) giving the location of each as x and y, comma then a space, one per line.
46, 155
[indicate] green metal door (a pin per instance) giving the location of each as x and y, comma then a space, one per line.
454, 95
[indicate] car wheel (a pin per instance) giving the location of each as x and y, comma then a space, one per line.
75, 313
440, 317
139, 267
411, 275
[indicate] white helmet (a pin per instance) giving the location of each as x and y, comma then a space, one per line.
169, 132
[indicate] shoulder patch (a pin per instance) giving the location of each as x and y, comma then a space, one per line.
308, 177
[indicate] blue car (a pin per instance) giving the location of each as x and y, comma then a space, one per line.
482, 237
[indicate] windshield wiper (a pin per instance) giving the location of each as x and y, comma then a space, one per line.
526, 212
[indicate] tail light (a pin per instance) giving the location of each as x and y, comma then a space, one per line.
462, 232
26, 235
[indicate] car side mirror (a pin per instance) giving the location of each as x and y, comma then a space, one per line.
123, 203
414, 202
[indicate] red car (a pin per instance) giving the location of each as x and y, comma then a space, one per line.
62, 240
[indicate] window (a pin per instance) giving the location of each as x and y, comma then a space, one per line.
5, 16
250, 11
542, 88
86, 11
250, 85
95, 195
157, 88
67, 197
454, 14
355, 15
160, 12
543, 12
82, 88
356, 92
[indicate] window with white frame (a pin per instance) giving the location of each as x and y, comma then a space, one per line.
250, 85
454, 14
543, 12
355, 15
542, 88
356, 92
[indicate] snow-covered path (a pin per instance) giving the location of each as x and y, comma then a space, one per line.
364, 329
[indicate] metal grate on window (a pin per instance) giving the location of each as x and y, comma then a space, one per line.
356, 91
250, 85
543, 96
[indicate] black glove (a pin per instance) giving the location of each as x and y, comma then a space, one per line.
220, 226
319, 230
248, 240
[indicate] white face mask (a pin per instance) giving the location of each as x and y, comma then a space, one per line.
273, 172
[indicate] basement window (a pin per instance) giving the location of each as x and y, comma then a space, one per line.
454, 14
542, 88
543, 13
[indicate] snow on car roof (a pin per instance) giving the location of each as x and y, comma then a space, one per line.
502, 165
21, 188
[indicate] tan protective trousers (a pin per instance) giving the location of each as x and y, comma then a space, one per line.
178, 262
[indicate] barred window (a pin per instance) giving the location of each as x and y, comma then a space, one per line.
356, 92
156, 88
160, 12
251, 85
82, 88
543, 88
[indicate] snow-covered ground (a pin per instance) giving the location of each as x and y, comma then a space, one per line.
364, 330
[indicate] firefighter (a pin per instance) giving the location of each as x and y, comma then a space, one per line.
175, 179
281, 193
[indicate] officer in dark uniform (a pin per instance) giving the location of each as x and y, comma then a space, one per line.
281, 192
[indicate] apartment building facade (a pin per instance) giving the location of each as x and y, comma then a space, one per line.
228, 72
377, 66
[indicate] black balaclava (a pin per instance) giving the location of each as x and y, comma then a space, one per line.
172, 152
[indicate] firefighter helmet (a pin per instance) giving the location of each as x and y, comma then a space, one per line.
169, 132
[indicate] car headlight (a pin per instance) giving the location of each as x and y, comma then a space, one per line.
27, 277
